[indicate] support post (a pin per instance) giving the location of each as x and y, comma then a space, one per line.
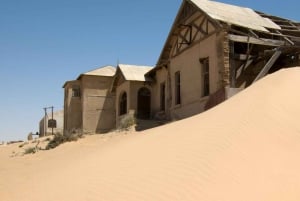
52, 119
269, 64
45, 121
232, 65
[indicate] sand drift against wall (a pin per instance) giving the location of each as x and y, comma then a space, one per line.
247, 148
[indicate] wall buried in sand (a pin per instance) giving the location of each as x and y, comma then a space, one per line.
246, 148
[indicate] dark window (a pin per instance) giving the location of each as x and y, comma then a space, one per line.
76, 92
123, 104
177, 88
162, 96
205, 76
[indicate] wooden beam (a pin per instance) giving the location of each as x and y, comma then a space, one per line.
232, 73
287, 39
269, 64
242, 57
261, 41
243, 67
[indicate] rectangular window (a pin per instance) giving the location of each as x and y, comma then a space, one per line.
205, 76
162, 96
177, 88
76, 92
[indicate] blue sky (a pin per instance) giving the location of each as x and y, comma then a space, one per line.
44, 43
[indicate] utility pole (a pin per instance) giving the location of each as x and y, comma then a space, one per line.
52, 119
46, 123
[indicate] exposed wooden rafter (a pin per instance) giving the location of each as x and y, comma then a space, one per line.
260, 41
195, 30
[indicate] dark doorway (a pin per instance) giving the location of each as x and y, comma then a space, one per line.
144, 103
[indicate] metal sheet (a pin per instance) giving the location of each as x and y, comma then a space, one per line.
134, 73
102, 71
241, 16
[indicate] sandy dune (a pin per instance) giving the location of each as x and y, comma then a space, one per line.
245, 149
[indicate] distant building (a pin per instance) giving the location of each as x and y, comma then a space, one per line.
213, 51
44, 129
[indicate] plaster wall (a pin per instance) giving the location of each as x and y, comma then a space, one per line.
131, 88
72, 107
98, 104
160, 78
58, 116
192, 99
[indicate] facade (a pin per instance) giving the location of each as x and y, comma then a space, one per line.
133, 92
88, 103
209, 55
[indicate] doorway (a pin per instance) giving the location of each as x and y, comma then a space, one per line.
144, 103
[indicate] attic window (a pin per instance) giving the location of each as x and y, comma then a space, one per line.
75, 92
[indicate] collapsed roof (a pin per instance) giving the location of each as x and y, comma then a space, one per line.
247, 25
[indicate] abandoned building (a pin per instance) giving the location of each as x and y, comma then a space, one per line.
44, 126
88, 104
132, 92
209, 55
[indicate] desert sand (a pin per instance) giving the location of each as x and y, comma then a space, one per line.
245, 149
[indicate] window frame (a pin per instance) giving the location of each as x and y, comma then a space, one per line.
177, 86
76, 93
205, 76
163, 96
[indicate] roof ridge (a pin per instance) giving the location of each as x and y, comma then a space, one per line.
99, 68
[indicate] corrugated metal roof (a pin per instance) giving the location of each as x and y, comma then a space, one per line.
134, 72
241, 16
108, 71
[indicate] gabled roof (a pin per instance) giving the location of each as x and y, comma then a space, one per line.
134, 72
241, 16
105, 71
130, 73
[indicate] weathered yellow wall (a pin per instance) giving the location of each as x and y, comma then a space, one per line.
72, 108
192, 100
58, 116
131, 88
124, 87
160, 77
134, 88
187, 62
98, 104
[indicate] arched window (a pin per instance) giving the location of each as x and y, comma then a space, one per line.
123, 104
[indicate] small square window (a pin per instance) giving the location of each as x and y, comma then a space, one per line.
177, 88
76, 92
